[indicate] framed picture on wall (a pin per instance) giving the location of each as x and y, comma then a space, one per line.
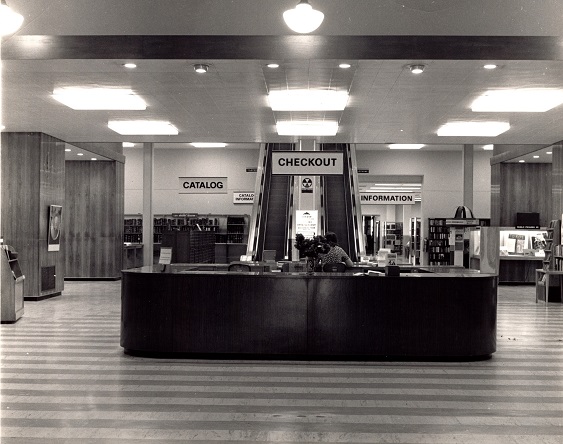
54, 232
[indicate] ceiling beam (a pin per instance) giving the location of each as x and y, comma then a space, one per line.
45, 47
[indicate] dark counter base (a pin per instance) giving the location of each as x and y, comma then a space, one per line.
311, 316
300, 358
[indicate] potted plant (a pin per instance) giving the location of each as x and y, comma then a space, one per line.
311, 249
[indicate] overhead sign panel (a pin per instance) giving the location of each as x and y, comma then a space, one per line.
203, 185
387, 198
307, 163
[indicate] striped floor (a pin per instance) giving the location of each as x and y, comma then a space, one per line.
66, 380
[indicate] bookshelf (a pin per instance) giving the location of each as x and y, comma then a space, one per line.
133, 229
415, 239
552, 263
438, 242
394, 237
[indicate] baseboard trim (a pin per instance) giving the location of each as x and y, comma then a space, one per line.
41, 297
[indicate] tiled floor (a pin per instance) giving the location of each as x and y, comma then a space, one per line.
66, 380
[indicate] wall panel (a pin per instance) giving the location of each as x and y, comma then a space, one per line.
94, 195
32, 180
525, 188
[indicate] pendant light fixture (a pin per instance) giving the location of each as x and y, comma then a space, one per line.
303, 18
10, 21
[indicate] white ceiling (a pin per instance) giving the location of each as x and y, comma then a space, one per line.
228, 104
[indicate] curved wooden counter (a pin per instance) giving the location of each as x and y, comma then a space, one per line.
449, 314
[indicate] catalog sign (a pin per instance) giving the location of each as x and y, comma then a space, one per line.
307, 163
388, 198
243, 197
203, 185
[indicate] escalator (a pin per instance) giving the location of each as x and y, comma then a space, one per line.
272, 209
338, 204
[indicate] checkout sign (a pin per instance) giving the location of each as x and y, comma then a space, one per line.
311, 163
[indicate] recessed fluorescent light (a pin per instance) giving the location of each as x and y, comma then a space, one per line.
533, 100
208, 144
128, 144
406, 146
273, 65
99, 98
536, 157
308, 100
93, 158
344, 65
307, 128
521, 161
489, 147
68, 150
489, 66
79, 154
129, 65
489, 129
548, 152
143, 127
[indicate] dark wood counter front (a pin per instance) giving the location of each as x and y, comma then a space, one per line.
449, 314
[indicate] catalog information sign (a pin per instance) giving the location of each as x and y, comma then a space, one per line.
243, 197
307, 163
306, 223
203, 185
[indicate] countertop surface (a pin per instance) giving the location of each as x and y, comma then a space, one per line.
409, 271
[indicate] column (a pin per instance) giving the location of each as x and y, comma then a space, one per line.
148, 216
468, 176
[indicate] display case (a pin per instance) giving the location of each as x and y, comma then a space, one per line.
522, 251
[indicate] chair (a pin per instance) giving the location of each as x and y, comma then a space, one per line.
336, 267
238, 267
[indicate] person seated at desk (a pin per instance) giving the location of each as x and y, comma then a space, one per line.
336, 253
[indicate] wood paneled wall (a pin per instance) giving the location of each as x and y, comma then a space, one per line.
94, 222
521, 188
557, 180
33, 170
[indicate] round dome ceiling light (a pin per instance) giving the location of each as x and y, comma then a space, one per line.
201, 68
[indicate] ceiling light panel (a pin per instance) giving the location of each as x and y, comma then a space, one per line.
486, 129
143, 127
308, 100
406, 146
308, 128
533, 100
208, 144
79, 98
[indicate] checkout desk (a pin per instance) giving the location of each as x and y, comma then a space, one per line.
426, 312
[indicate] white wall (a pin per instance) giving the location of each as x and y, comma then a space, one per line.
172, 163
442, 187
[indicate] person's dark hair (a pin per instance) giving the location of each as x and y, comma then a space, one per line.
331, 238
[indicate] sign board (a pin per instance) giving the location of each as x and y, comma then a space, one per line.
306, 223
165, 255
307, 185
252, 170
363, 171
303, 163
391, 259
203, 185
243, 197
462, 222
388, 198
